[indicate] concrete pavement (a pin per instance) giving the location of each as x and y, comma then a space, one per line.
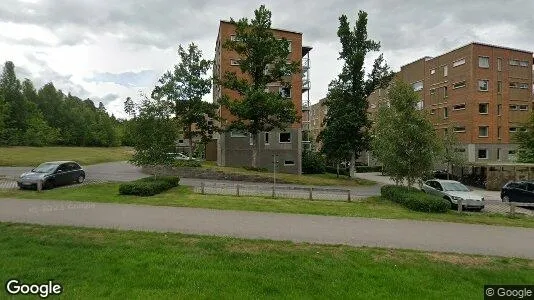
431, 236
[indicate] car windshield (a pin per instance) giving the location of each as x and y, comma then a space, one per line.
454, 186
45, 168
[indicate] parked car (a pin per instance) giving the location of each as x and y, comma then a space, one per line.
454, 191
518, 191
52, 174
180, 156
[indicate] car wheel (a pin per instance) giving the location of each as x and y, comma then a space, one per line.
450, 201
80, 179
49, 185
505, 199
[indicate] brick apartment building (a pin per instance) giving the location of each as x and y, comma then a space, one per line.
317, 114
481, 92
233, 148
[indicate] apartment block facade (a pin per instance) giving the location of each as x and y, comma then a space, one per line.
483, 93
233, 148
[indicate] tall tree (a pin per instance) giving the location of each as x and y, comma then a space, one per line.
449, 154
16, 108
347, 126
184, 87
263, 59
404, 140
525, 141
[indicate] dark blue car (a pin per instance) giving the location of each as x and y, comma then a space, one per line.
518, 191
52, 174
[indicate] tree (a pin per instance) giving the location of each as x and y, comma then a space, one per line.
154, 133
184, 87
263, 60
449, 154
404, 140
15, 105
525, 141
347, 126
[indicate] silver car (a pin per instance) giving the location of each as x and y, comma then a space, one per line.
454, 191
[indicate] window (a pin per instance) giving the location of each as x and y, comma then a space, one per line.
482, 153
285, 137
499, 109
445, 112
514, 62
285, 92
234, 62
523, 86
432, 111
420, 105
250, 139
499, 86
432, 91
180, 141
499, 132
289, 163
523, 63
483, 108
417, 86
514, 85
523, 107
445, 71
483, 62
459, 150
289, 46
483, 131
236, 134
483, 85
445, 95
458, 85
266, 138
513, 107
459, 129
433, 71
511, 154
498, 153
513, 129
233, 38
458, 62
458, 106
499, 64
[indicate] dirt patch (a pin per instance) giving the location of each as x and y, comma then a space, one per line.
459, 259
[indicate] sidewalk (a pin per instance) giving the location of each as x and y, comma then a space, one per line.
406, 234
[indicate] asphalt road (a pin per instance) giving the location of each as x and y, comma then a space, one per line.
407, 234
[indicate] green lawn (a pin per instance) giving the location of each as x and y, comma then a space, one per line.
308, 179
182, 196
91, 263
32, 156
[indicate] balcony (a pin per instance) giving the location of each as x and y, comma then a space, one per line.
305, 64
305, 85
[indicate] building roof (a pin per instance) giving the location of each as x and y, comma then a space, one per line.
277, 29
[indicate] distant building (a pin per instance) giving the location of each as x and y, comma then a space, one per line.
317, 115
233, 148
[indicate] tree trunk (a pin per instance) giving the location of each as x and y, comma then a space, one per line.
337, 170
190, 143
448, 170
352, 169
254, 151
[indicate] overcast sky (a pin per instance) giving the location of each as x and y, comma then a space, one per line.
108, 50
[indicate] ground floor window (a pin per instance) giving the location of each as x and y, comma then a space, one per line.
482, 153
285, 137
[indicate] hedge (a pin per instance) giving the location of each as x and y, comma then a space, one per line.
414, 199
367, 169
188, 163
149, 186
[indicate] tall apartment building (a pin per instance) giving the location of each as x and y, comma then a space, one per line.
233, 148
481, 92
317, 115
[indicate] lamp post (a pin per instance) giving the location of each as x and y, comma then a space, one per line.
275, 156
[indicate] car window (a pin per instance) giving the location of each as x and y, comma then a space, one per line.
512, 185
530, 187
455, 186
74, 166
63, 168
438, 186
522, 186
430, 183
45, 168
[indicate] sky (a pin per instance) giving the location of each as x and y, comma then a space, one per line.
109, 50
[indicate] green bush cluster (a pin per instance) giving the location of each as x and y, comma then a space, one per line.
333, 170
255, 169
367, 169
149, 186
187, 163
414, 199
313, 163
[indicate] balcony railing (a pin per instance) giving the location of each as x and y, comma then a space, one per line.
305, 84
305, 63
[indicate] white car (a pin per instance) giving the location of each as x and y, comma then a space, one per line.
180, 156
454, 191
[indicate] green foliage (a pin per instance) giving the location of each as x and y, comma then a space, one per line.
149, 186
346, 132
367, 169
154, 133
414, 199
448, 154
334, 170
187, 163
525, 141
313, 163
404, 139
255, 169
184, 87
263, 60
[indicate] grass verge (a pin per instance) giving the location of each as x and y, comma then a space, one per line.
374, 207
32, 156
91, 263
326, 179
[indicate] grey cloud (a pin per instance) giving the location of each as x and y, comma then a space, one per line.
106, 99
127, 79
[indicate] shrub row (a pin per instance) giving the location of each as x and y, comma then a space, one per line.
255, 169
367, 169
148, 186
342, 171
313, 163
414, 199
188, 163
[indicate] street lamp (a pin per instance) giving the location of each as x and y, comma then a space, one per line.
275, 161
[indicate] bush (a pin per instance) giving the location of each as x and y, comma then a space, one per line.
367, 169
342, 171
149, 186
188, 163
255, 169
414, 199
313, 163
